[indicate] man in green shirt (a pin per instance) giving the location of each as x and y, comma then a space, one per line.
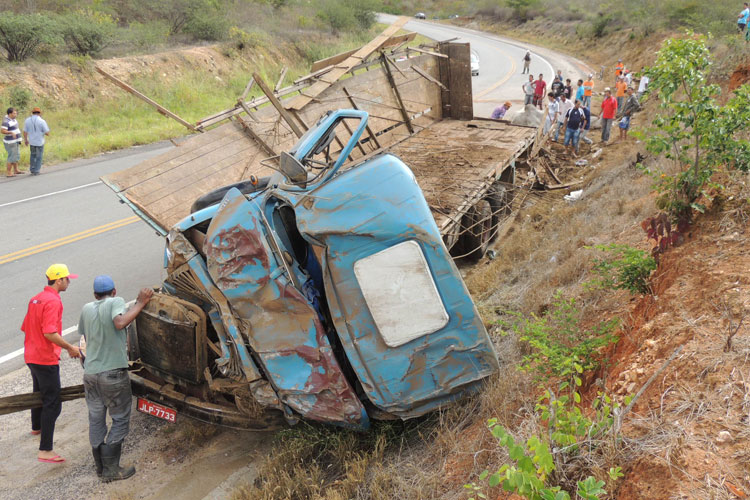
105, 374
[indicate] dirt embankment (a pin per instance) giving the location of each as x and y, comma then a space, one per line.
69, 82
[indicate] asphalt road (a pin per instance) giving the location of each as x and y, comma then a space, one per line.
67, 215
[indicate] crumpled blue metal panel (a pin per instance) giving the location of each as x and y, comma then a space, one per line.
282, 328
362, 211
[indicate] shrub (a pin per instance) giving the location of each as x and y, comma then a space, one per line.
18, 97
22, 34
559, 346
625, 268
86, 33
148, 35
207, 26
242, 39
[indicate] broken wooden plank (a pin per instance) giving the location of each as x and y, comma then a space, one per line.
550, 187
422, 51
249, 131
161, 109
346, 65
551, 172
428, 77
21, 402
330, 62
367, 127
281, 79
249, 85
248, 111
392, 82
277, 104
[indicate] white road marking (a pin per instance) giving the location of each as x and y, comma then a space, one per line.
50, 194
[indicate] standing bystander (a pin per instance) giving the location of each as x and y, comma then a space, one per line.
564, 106
41, 352
11, 141
580, 91
526, 62
105, 374
575, 121
539, 87
553, 111
619, 68
528, 91
620, 88
609, 110
642, 86
743, 18
34, 130
631, 106
588, 91
583, 132
568, 89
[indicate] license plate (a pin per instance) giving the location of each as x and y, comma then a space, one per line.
156, 410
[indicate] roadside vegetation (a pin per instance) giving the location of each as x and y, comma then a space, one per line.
246, 35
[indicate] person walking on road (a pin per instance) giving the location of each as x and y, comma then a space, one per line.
631, 106
588, 91
575, 121
743, 18
34, 131
526, 62
42, 346
539, 87
528, 91
609, 111
553, 110
105, 374
11, 141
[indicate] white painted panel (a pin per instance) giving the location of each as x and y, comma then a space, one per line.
400, 293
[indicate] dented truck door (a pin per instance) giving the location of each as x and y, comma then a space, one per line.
281, 326
402, 312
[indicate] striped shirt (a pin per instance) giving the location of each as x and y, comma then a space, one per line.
11, 125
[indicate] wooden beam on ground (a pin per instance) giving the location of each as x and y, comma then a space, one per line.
392, 82
248, 111
277, 104
428, 77
334, 60
551, 187
346, 65
21, 402
354, 105
551, 172
249, 85
281, 79
249, 131
161, 109
422, 51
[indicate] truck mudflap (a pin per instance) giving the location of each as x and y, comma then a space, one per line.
404, 316
283, 329
146, 385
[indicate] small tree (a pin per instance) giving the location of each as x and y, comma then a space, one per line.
21, 35
692, 129
86, 33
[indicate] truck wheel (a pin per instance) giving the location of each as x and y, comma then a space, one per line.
477, 231
498, 197
215, 196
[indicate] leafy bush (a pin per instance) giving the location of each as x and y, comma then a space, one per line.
18, 97
86, 33
147, 35
242, 39
340, 15
22, 34
211, 27
626, 268
559, 346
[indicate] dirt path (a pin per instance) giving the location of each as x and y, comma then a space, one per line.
186, 460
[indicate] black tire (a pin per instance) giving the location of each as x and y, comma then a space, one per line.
215, 196
476, 225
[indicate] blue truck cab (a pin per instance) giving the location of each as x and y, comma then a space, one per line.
321, 292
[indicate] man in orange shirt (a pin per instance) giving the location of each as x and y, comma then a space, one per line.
620, 88
619, 68
41, 351
588, 91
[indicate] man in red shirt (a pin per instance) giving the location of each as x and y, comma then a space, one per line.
609, 110
539, 87
42, 346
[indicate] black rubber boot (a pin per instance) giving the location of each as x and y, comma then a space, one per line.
111, 462
97, 460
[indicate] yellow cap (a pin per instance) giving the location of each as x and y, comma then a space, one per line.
57, 271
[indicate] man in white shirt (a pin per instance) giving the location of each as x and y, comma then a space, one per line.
34, 131
553, 111
528, 91
565, 105
642, 86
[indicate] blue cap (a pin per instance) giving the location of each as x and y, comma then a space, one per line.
103, 283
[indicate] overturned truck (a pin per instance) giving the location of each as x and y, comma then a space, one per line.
309, 242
